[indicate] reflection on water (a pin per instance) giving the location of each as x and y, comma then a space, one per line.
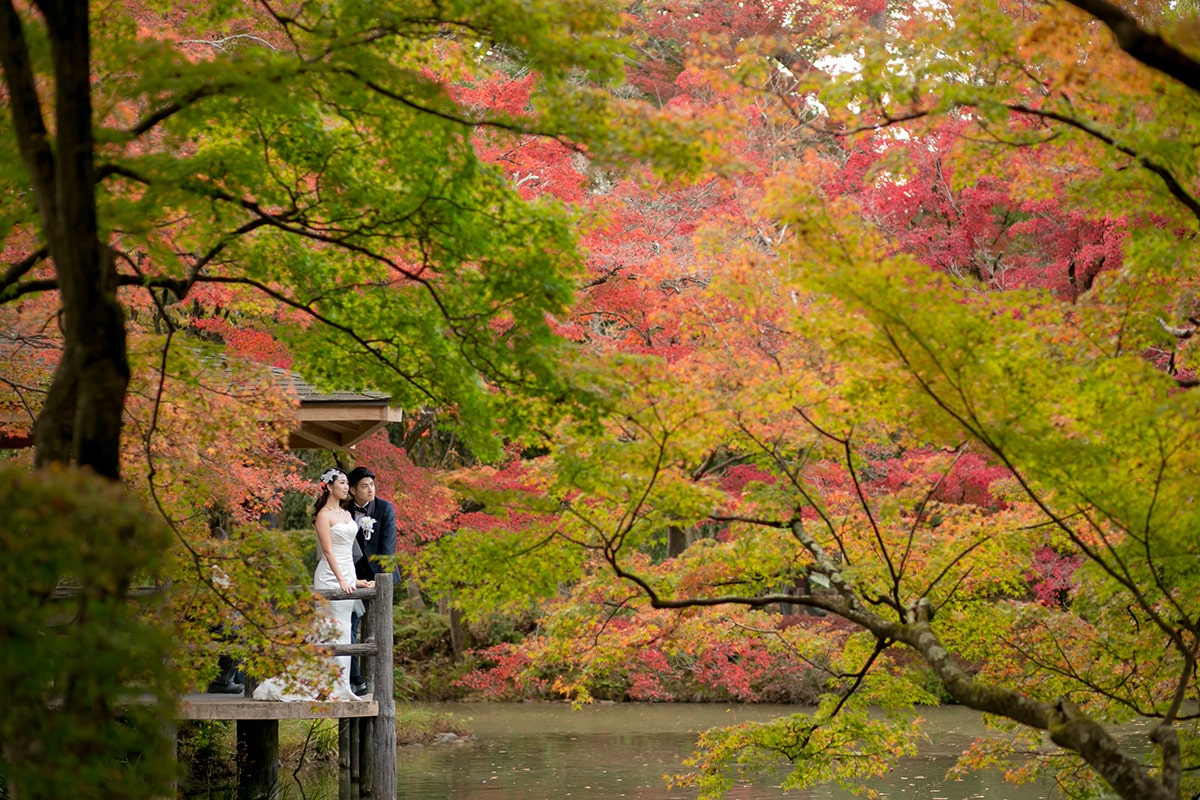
542, 751
538, 751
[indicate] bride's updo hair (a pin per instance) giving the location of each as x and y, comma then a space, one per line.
327, 477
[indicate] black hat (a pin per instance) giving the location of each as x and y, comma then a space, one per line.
357, 474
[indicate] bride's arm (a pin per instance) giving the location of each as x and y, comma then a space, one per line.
325, 541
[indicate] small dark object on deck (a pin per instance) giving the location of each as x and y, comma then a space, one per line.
230, 679
226, 686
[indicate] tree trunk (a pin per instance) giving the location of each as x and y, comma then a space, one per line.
81, 420
1068, 727
414, 595
677, 541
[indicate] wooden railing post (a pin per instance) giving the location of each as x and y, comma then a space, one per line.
384, 725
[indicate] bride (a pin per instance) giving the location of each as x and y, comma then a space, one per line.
336, 531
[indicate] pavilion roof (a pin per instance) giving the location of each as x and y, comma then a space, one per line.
335, 420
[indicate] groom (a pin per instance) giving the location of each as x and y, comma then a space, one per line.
376, 520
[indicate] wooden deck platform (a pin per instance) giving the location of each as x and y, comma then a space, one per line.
366, 727
224, 706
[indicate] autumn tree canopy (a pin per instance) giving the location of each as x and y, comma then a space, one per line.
914, 352
931, 376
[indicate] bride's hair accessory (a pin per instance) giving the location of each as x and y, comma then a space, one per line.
330, 475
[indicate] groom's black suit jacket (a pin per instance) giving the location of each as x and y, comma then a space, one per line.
382, 541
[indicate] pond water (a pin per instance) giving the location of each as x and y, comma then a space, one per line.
542, 751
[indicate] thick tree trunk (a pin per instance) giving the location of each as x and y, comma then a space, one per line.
81, 420
1068, 727
53, 431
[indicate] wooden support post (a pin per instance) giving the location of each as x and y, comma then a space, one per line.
367, 758
355, 758
383, 732
170, 730
344, 758
258, 758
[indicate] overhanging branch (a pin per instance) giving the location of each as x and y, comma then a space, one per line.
29, 125
1177, 190
1148, 48
19, 269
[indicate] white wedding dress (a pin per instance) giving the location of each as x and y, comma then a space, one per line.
314, 685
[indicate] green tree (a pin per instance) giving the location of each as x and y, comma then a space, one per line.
82, 663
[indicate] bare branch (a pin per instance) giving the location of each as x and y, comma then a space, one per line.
18, 269
1178, 333
223, 43
367, 345
511, 127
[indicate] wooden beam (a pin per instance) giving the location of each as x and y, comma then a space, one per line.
217, 706
347, 412
331, 435
311, 438
363, 431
